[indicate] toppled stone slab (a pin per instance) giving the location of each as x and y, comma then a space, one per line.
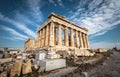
5, 60
101, 50
83, 52
16, 68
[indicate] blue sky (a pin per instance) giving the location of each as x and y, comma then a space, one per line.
20, 19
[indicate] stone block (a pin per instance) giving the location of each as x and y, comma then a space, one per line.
84, 52
101, 50
52, 64
26, 68
16, 68
24, 56
54, 56
5, 60
40, 56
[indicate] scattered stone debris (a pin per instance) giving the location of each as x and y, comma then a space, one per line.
46, 65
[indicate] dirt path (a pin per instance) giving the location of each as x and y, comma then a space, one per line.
109, 68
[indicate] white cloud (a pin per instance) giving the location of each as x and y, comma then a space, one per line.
51, 1
22, 27
35, 6
24, 19
15, 34
56, 2
60, 3
100, 17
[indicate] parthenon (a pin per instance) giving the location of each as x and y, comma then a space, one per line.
57, 33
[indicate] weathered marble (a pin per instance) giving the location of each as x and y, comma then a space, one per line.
57, 33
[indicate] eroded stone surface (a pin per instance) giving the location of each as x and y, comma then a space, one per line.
49, 39
26, 68
16, 68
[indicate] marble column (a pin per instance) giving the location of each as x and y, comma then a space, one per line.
51, 42
55, 35
87, 41
72, 37
46, 36
66, 37
77, 39
40, 38
84, 40
59, 35
81, 40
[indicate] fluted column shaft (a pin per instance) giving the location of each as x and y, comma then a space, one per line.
66, 37
46, 36
51, 42
77, 40
40, 38
72, 37
84, 40
59, 35
81, 40
87, 41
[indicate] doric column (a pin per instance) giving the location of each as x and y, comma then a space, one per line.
81, 40
66, 36
72, 37
59, 35
84, 40
87, 41
46, 36
51, 42
40, 38
43, 36
54, 35
77, 39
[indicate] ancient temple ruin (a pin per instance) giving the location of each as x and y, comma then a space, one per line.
57, 33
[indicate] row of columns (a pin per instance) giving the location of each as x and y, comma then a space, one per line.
47, 37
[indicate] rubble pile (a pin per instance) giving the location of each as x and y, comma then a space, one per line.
42, 62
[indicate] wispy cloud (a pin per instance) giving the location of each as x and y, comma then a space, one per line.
57, 2
15, 34
60, 3
24, 19
22, 27
35, 6
99, 16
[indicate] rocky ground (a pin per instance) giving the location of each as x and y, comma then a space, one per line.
105, 64
109, 68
